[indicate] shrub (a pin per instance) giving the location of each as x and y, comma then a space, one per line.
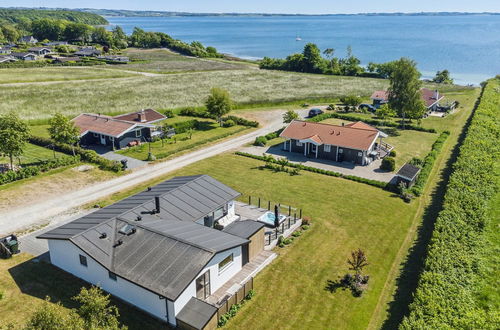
392, 153
241, 121
305, 227
260, 141
229, 123
351, 100
388, 164
184, 126
297, 233
193, 112
169, 113
306, 220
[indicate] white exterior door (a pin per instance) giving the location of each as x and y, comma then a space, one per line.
103, 139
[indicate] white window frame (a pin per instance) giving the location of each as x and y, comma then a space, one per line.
341, 151
138, 133
227, 265
327, 148
360, 154
298, 143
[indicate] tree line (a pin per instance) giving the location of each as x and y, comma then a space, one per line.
19, 15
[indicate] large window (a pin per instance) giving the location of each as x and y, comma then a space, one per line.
138, 133
203, 286
298, 143
328, 148
224, 264
83, 260
112, 276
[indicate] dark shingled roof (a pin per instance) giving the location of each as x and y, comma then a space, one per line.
161, 252
244, 229
196, 313
187, 198
408, 171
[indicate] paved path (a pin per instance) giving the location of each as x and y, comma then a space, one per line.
371, 171
38, 213
107, 153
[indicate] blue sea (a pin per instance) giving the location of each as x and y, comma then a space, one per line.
468, 46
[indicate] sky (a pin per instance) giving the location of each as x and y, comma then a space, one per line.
271, 6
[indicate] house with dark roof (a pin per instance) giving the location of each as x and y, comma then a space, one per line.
7, 59
159, 250
119, 131
357, 143
24, 56
408, 174
56, 43
5, 50
40, 51
430, 98
88, 52
28, 40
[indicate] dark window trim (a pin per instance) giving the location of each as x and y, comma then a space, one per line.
228, 261
83, 260
112, 276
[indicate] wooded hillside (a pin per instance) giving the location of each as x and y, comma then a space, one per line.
18, 15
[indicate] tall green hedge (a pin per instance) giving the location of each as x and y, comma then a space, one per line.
445, 297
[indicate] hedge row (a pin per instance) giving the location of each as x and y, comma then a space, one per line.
202, 113
86, 155
184, 126
376, 122
262, 140
192, 145
375, 183
428, 164
446, 295
41, 64
241, 121
44, 166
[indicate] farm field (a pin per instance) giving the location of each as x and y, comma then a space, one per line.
24, 75
176, 90
33, 154
164, 61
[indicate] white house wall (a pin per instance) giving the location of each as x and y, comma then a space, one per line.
216, 280
65, 255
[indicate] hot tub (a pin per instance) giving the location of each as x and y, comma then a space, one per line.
268, 219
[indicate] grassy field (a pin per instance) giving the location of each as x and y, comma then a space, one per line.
164, 61
33, 154
18, 75
169, 91
208, 132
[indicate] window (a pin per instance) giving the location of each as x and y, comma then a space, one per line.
360, 154
111, 138
220, 212
327, 148
226, 263
112, 276
96, 135
298, 143
83, 260
138, 133
203, 286
341, 151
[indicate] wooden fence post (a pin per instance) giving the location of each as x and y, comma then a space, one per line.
259, 202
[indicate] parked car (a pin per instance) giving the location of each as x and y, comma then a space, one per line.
368, 107
314, 112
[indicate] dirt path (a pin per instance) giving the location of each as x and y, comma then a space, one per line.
29, 215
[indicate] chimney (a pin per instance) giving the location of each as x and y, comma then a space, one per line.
141, 116
436, 94
157, 204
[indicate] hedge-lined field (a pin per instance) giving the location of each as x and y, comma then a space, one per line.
446, 296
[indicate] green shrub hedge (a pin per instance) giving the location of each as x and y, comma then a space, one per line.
86, 155
388, 164
270, 159
261, 141
428, 164
184, 126
241, 121
447, 293
30, 171
376, 122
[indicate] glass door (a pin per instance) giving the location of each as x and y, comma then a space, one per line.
203, 286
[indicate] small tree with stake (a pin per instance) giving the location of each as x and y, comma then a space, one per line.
357, 282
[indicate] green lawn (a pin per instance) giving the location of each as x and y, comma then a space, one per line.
40, 130
16, 75
164, 61
208, 132
33, 154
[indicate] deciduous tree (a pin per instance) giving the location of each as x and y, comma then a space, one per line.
219, 103
63, 130
289, 116
443, 77
95, 310
14, 134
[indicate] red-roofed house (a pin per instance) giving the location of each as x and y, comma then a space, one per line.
431, 98
117, 132
358, 142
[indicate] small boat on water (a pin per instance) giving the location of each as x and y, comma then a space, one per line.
298, 38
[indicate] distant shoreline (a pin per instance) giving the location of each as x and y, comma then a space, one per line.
159, 13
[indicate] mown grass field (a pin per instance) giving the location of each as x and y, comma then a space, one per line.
175, 90
22, 75
164, 61
33, 154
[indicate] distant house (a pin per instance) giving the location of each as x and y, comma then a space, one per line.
88, 52
158, 250
7, 59
358, 143
28, 40
4, 50
56, 43
24, 56
430, 98
117, 132
115, 58
407, 174
40, 51
67, 59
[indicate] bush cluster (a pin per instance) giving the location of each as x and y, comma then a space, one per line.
376, 122
388, 164
44, 166
446, 295
282, 168
194, 112
234, 309
85, 155
380, 184
428, 163
261, 141
241, 121
184, 126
